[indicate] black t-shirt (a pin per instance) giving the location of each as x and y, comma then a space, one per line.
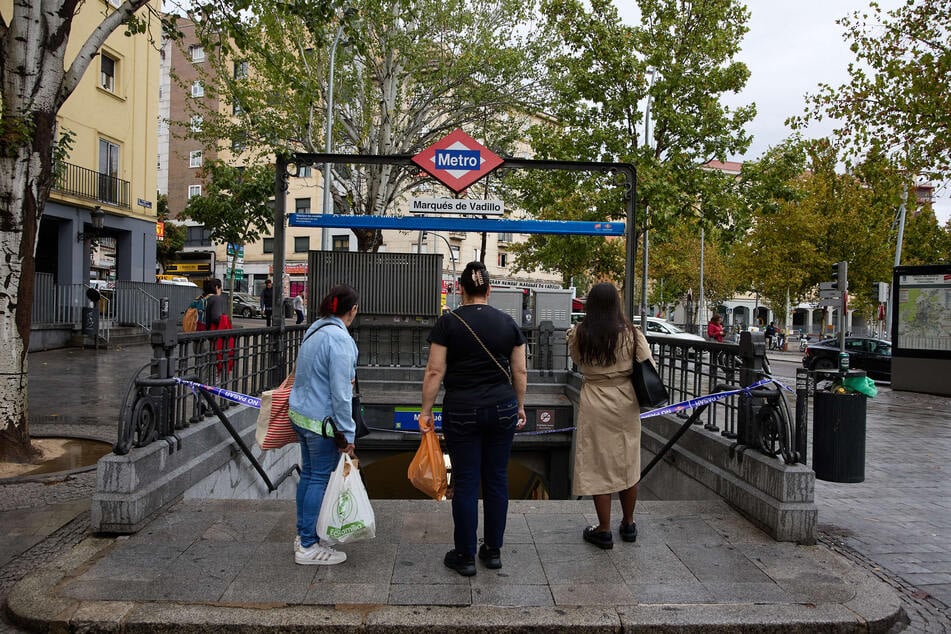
472, 379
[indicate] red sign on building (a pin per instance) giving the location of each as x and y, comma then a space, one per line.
457, 160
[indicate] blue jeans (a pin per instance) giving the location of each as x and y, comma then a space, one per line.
479, 442
318, 459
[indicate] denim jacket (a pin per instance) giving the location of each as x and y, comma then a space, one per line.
326, 366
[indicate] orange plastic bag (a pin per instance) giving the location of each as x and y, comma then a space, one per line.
427, 469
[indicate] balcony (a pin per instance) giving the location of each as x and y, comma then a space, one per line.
80, 182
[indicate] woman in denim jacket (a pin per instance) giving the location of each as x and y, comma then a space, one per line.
323, 386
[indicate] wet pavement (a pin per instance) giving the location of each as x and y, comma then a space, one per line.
892, 528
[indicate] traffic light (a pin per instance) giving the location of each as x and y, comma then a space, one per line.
840, 276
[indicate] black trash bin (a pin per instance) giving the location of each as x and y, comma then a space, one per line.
838, 440
288, 305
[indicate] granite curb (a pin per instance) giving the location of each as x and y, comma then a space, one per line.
37, 603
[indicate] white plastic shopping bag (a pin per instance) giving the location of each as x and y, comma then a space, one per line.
345, 514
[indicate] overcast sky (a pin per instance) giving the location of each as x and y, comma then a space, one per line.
791, 48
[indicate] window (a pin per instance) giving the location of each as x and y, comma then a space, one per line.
268, 246
108, 171
194, 158
197, 237
196, 123
503, 259
476, 255
107, 72
240, 70
197, 53
236, 108
237, 145
194, 190
301, 244
340, 243
198, 89
302, 205
505, 237
304, 171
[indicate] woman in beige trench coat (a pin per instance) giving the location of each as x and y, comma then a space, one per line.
608, 434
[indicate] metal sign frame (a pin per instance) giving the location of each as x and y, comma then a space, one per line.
302, 159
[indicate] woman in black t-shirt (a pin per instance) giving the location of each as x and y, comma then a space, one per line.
478, 353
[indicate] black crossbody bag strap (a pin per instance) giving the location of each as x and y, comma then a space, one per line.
508, 376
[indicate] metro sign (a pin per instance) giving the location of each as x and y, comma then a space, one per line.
457, 160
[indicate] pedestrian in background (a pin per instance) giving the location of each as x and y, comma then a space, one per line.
715, 328
299, 308
478, 353
323, 386
607, 456
216, 317
267, 301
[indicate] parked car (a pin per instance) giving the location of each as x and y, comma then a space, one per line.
247, 305
658, 326
865, 353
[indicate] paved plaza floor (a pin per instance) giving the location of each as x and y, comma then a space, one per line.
886, 539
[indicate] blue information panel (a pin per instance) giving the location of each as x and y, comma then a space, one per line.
407, 418
430, 223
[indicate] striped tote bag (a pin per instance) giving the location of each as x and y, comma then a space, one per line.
274, 427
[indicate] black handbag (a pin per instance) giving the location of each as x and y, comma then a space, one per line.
648, 386
357, 411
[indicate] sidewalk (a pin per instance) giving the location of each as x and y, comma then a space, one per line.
698, 563
224, 563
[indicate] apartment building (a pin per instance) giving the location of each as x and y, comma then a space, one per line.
99, 222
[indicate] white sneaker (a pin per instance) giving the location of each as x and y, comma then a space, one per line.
297, 544
318, 555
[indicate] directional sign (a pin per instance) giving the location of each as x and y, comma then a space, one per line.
829, 303
457, 160
830, 294
827, 286
430, 223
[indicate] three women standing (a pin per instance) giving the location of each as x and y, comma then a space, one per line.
608, 429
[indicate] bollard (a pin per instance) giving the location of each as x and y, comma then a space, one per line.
802, 413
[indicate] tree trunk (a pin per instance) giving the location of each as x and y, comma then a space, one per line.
25, 179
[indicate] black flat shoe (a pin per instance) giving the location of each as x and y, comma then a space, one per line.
601, 539
628, 531
462, 564
491, 557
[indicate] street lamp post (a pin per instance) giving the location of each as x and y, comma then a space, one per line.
328, 140
647, 139
452, 259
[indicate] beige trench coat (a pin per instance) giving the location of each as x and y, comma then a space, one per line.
608, 428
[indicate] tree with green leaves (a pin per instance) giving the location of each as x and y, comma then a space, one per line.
406, 73
807, 215
600, 76
897, 96
235, 207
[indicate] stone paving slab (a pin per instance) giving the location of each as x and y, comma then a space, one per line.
206, 564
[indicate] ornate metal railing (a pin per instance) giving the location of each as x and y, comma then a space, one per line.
81, 182
252, 360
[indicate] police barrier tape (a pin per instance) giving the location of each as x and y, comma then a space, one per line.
255, 402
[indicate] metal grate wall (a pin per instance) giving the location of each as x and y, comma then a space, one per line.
396, 284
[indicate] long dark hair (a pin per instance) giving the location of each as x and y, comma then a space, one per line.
604, 322
338, 301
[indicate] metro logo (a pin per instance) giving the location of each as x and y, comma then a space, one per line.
457, 160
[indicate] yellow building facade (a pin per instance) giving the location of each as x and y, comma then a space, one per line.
109, 175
